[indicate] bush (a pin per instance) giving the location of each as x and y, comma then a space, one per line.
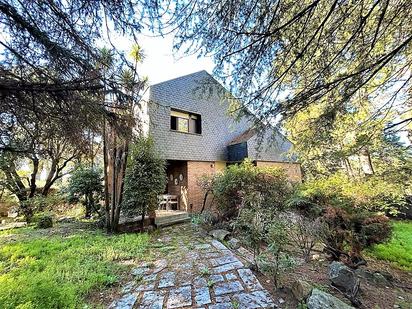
372, 194
45, 221
247, 186
350, 222
303, 233
145, 178
85, 185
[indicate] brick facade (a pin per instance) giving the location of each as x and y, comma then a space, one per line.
196, 169
293, 170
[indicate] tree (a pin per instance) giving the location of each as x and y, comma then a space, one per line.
145, 179
38, 145
281, 56
86, 183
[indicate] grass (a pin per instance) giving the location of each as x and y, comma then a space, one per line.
59, 271
398, 250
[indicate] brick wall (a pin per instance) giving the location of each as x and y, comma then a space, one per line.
195, 169
293, 170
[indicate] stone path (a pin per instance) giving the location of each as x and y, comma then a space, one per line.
192, 270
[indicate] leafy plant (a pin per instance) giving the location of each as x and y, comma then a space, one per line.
275, 260
145, 178
239, 185
85, 185
45, 221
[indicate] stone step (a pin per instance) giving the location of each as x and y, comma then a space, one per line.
171, 220
172, 217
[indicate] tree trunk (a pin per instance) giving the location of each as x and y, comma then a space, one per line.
33, 177
106, 178
50, 177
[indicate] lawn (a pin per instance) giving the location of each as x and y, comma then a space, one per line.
59, 271
399, 249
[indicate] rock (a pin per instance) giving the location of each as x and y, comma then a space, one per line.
375, 278
233, 243
344, 279
322, 300
380, 280
219, 234
301, 289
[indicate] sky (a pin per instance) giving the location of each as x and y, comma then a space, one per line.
162, 64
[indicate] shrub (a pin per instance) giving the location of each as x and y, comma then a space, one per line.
303, 233
45, 221
245, 185
85, 185
373, 194
275, 261
145, 178
349, 225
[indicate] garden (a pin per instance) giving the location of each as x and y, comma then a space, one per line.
81, 170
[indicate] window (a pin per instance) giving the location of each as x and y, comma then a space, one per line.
185, 122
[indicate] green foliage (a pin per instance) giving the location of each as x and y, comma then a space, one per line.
45, 221
145, 178
59, 272
204, 219
399, 249
41, 203
247, 186
372, 194
85, 185
275, 261
348, 218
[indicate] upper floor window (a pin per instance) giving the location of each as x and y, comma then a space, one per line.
185, 122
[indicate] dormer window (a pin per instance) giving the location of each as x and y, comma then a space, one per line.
185, 122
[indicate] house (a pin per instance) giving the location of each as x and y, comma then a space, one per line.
189, 120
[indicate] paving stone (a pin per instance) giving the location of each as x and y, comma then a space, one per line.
128, 287
202, 246
216, 278
250, 280
140, 271
202, 296
223, 299
126, 302
180, 297
199, 282
192, 256
231, 276
167, 280
184, 278
159, 265
150, 278
221, 306
212, 254
227, 287
257, 299
227, 267
218, 245
145, 287
224, 260
185, 266
152, 300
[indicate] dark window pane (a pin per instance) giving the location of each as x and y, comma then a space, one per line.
199, 125
173, 123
